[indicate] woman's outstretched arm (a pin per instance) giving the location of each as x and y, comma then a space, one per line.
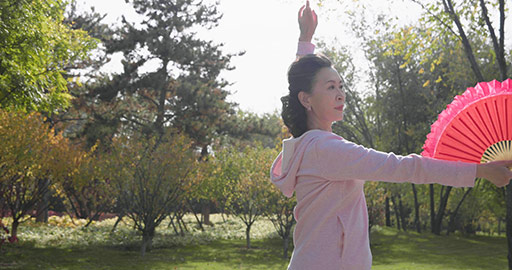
339, 159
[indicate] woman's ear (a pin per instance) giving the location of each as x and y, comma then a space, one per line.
304, 100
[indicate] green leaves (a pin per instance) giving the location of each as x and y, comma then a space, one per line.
35, 48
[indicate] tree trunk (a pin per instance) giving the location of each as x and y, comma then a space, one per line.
432, 208
438, 221
199, 222
160, 114
119, 218
183, 226
464, 39
388, 213
498, 45
205, 212
42, 206
509, 224
499, 49
205, 204
451, 224
147, 241
402, 213
95, 217
171, 222
248, 235
14, 228
397, 215
416, 209
286, 242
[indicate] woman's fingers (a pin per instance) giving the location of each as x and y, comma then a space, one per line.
300, 11
500, 171
507, 163
307, 11
497, 172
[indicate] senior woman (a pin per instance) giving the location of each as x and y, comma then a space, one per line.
327, 173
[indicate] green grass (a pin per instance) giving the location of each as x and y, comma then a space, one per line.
63, 246
220, 254
410, 250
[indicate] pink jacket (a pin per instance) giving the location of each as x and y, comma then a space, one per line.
327, 173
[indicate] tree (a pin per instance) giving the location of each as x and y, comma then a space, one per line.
413, 89
184, 90
208, 184
280, 208
35, 45
280, 212
246, 128
148, 174
451, 16
84, 185
447, 13
375, 196
248, 191
28, 152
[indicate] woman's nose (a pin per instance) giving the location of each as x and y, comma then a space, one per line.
340, 96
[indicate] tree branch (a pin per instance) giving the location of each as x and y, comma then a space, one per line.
498, 47
465, 42
436, 17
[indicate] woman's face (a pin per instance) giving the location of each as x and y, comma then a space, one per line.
327, 100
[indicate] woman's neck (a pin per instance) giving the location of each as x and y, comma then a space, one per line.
315, 123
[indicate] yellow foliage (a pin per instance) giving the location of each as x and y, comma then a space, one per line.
426, 83
26, 147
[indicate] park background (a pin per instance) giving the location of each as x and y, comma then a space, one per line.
145, 140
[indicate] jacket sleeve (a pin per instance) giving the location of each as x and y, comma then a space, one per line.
343, 160
304, 48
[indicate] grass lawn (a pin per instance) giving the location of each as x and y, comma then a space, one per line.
391, 250
220, 254
409, 250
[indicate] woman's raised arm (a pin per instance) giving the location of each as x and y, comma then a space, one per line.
308, 21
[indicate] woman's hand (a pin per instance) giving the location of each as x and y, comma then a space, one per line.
496, 172
307, 23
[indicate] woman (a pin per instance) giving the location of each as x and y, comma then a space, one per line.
327, 173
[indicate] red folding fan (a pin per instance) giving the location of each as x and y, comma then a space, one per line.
476, 127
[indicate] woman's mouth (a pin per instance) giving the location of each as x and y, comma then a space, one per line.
339, 108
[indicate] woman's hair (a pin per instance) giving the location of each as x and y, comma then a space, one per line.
301, 76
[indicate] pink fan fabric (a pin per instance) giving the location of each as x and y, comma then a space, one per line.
475, 120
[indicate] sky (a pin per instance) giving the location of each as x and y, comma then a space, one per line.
267, 30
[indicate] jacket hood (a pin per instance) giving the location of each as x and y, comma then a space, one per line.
286, 166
